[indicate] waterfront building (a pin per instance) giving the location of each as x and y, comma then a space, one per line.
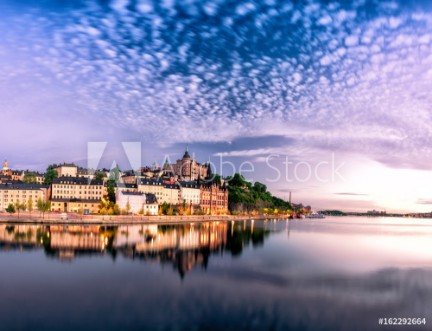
190, 193
214, 198
171, 193
138, 202
76, 194
21, 192
152, 185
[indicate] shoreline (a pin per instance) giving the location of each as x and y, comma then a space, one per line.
123, 220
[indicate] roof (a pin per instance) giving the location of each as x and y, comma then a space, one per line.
77, 181
67, 165
126, 185
171, 186
186, 154
130, 193
77, 200
151, 181
22, 186
36, 173
189, 184
150, 198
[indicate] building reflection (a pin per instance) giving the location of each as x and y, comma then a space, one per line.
184, 246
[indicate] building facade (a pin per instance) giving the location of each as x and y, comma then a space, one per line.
213, 199
67, 170
152, 185
76, 194
190, 193
188, 169
137, 202
22, 193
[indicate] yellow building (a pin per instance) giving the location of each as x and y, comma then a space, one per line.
153, 186
20, 192
76, 194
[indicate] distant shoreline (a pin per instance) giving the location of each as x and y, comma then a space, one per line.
121, 219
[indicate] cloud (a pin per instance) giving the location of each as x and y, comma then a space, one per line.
332, 77
424, 202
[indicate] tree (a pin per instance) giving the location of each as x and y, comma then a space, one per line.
259, 187
19, 206
30, 204
165, 208
51, 174
111, 190
116, 209
100, 175
141, 211
128, 207
43, 206
10, 209
114, 174
29, 178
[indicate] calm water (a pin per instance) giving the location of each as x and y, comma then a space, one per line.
332, 274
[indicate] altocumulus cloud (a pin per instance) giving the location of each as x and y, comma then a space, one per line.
351, 78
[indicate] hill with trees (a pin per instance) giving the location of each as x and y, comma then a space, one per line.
245, 197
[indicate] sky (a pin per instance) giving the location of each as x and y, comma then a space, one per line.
330, 101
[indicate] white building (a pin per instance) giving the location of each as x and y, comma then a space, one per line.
137, 202
190, 193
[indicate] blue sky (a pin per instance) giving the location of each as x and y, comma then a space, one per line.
312, 81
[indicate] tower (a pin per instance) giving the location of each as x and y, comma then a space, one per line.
5, 165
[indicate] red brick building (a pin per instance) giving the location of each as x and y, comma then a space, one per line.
214, 199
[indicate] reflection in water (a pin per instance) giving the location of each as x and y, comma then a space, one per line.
332, 274
184, 246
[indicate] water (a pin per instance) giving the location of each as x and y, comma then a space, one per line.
332, 274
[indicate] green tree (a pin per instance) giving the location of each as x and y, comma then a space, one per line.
29, 178
51, 174
10, 209
111, 190
259, 187
19, 206
116, 209
166, 208
30, 204
100, 175
114, 174
43, 206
